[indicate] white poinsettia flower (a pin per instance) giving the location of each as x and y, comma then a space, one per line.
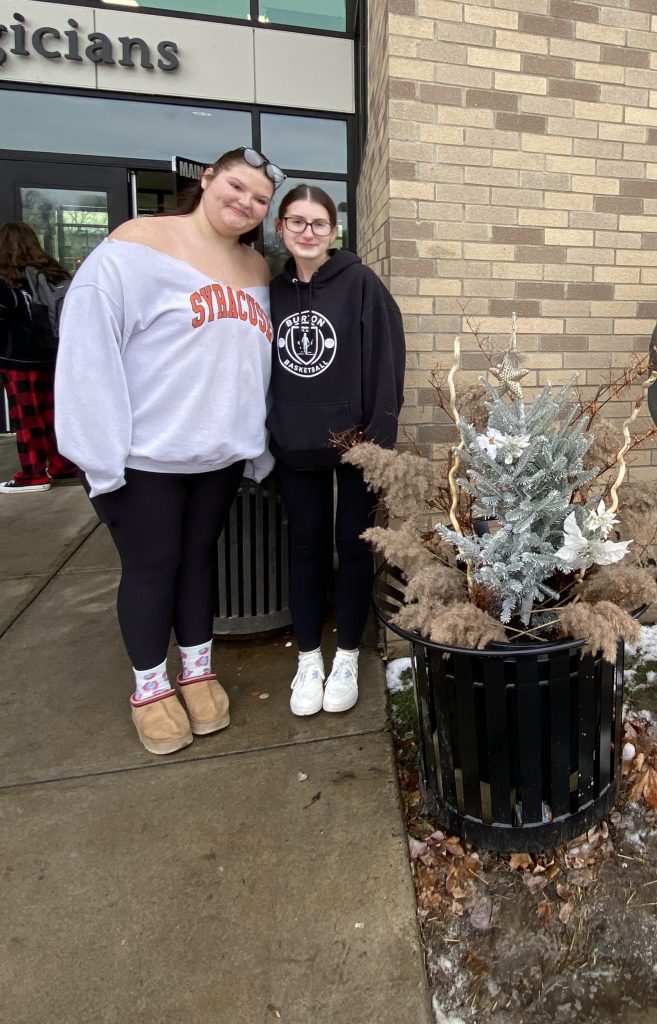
580, 552
513, 445
491, 441
600, 521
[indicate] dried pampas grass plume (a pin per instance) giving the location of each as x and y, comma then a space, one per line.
401, 548
602, 624
404, 480
463, 625
625, 585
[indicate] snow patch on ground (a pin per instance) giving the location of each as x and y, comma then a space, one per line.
394, 671
441, 1017
646, 649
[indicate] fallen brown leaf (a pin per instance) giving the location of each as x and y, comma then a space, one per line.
520, 861
544, 911
483, 914
565, 912
650, 789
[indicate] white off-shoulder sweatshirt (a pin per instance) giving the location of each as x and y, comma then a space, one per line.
160, 369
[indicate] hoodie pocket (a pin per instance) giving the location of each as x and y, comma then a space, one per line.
307, 431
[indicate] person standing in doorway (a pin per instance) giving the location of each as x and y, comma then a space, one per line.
164, 367
27, 362
338, 371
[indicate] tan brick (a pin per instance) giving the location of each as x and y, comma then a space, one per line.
418, 28
411, 189
621, 94
415, 70
595, 221
544, 180
557, 236
440, 286
633, 326
622, 132
576, 50
491, 214
473, 251
544, 218
414, 304
598, 148
402, 46
614, 37
642, 293
465, 118
449, 135
583, 183
469, 78
485, 16
616, 274
598, 72
405, 110
502, 59
551, 106
503, 176
570, 164
569, 273
547, 144
614, 309
411, 150
433, 212
635, 115
492, 138
637, 223
442, 10
572, 126
503, 158
516, 270
520, 83
599, 111
444, 250
616, 240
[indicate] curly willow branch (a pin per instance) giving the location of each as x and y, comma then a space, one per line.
620, 458
453, 487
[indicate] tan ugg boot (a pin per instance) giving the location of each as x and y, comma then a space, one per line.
206, 702
161, 722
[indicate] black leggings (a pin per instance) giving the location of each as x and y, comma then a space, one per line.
309, 500
165, 527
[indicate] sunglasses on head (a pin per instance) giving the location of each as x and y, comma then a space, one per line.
255, 159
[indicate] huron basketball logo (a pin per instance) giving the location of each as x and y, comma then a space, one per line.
306, 344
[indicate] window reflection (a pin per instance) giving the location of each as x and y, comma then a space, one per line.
316, 143
325, 14
67, 222
275, 252
45, 123
214, 8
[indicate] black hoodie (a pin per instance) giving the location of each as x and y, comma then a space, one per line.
338, 364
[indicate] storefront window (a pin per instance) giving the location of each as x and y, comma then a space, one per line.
326, 14
215, 8
315, 143
46, 123
275, 252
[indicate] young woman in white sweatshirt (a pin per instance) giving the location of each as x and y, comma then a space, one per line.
162, 374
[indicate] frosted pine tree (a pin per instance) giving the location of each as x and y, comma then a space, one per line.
522, 474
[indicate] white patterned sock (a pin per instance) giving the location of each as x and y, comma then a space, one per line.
151, 681
197, 660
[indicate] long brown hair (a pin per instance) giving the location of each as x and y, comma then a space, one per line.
192, 197
20, 248
314, 195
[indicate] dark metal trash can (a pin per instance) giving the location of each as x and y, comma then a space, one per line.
253, 589
519, 744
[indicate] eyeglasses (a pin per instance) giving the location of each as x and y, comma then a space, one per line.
297, 225
255, 159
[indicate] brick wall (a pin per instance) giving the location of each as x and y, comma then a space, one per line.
512, 164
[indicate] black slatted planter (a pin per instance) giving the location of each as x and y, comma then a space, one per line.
519, 743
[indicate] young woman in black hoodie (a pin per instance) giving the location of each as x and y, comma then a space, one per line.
338, 368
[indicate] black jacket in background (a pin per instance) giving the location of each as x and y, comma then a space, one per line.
338, 361
22, 345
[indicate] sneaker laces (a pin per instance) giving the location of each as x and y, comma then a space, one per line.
310, 671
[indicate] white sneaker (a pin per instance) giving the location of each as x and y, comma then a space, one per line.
308, 685
11, 487
341, 691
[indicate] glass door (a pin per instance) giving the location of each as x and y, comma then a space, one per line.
70, 207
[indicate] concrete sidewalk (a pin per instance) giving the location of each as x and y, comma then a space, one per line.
214, 886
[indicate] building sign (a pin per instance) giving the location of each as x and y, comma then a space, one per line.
20, 39
188, 173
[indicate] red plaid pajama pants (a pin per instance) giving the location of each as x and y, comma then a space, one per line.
32, 414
